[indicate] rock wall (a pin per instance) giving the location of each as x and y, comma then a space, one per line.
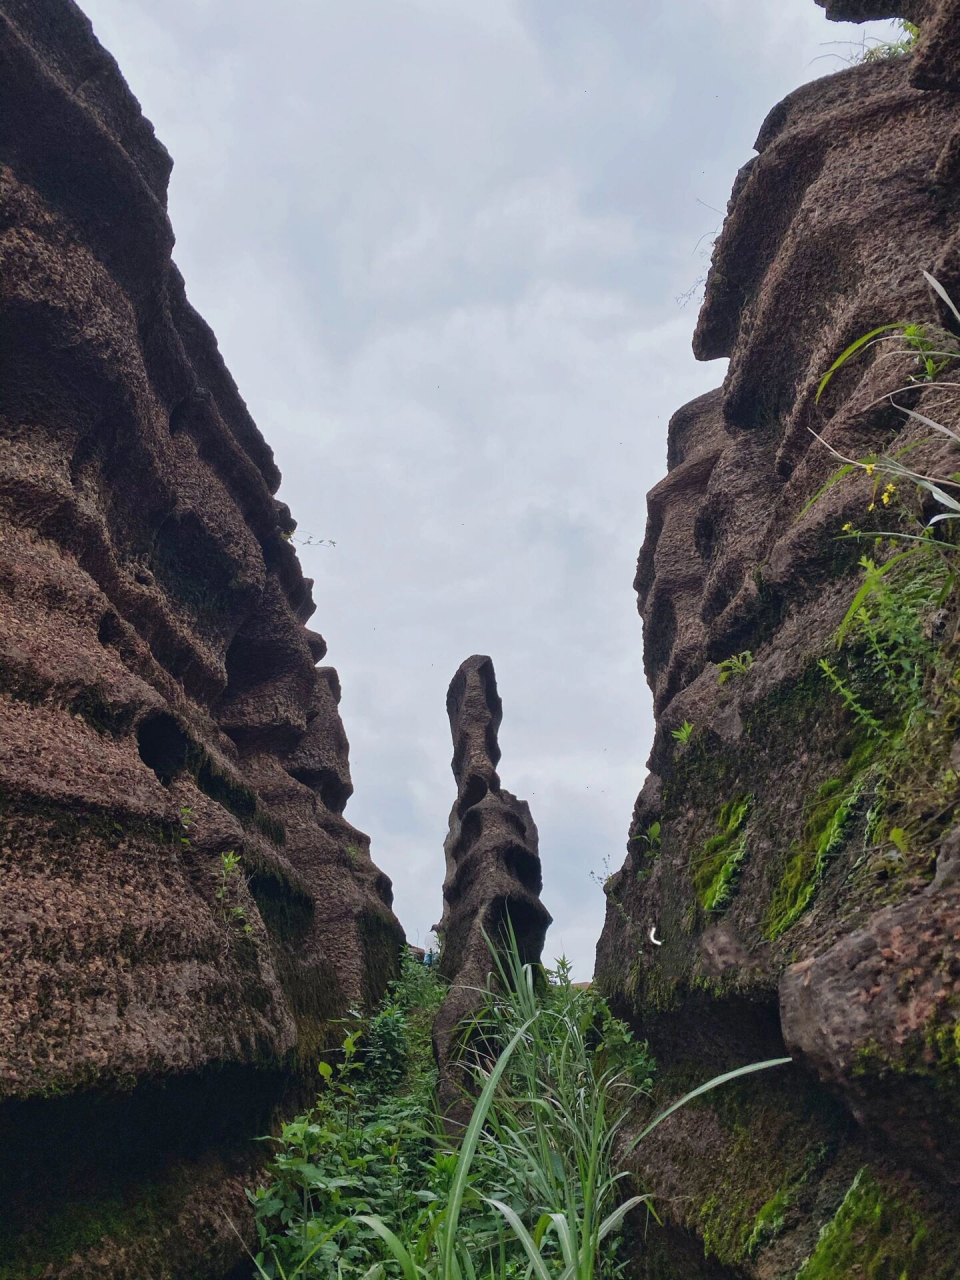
161, 708
492, 863
788, 924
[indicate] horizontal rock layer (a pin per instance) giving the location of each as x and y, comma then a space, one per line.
854, 192
160, 699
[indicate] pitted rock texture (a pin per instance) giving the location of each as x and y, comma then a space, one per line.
492, 863
853, 193
161, 702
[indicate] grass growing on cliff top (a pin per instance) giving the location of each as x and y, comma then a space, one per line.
370, 1184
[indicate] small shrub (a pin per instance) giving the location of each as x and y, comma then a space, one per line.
231, 874
909, 34
368, 1146
734, 667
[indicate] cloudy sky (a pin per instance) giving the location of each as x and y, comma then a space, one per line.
442, 244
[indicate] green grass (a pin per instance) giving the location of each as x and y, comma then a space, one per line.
371, 1184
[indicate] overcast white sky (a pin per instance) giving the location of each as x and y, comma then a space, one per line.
441, 244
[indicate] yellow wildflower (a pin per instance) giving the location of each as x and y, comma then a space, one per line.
848, 527
870, 468
872, 506
891, 488
886, 498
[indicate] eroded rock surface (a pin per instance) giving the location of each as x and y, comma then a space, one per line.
492, 862
160, 700
781, 922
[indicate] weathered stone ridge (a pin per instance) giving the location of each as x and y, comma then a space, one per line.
160, 699
492, 860
854, 192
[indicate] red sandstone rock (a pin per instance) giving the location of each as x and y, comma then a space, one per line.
492, 859
153, 659
853, 193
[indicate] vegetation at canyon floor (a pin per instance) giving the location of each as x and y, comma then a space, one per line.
371, 1183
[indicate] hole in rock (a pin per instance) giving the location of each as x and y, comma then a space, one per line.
525, 867
163, 746
110, 631
473, 793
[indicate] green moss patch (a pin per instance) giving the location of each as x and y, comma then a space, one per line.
769, 1222
774, 1143
234, 796
932, 1053
717, 867
943, 1039
875, 1237
825, 834
72, 1230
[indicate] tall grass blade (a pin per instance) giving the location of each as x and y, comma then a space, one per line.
938, 288
537, 1263
874, 573
469, 1147
852, 350
845, 470
396, 1247
613, 1220
706, 1088
929, 422
565, 1236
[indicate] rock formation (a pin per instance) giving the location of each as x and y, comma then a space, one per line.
492, 861
783, 925
161, 710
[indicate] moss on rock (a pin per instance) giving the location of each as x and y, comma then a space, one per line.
717, 868
825, 834
875, 1236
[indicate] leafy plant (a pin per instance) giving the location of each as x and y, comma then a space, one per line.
603, 878
737, 665
909, 34
370, 1145
650, 838
370, 1184
684, 733
231, 911
849, 698
893, 672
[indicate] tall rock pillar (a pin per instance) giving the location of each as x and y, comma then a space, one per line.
492, 858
